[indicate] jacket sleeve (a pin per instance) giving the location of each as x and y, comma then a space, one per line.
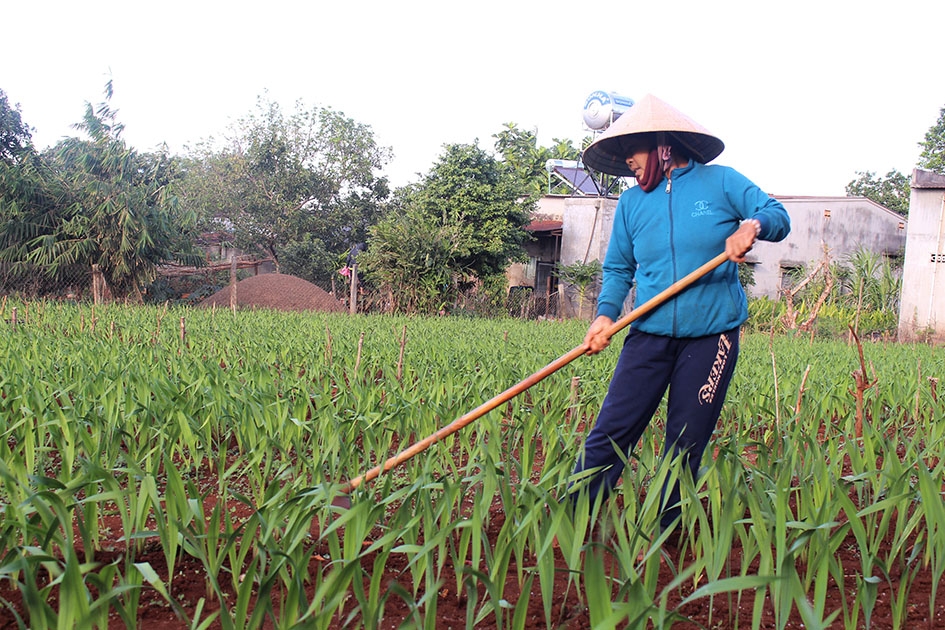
753, 203
619, 266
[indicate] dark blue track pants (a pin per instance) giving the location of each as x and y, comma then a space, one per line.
696, 370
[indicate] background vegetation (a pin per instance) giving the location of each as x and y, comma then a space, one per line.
305, 188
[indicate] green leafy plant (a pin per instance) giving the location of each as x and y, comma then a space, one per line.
583, 277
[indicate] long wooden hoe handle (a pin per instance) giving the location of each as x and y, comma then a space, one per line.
541, 374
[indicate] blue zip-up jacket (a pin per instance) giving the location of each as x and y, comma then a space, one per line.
660, 236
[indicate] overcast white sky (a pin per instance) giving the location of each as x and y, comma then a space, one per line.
804, 93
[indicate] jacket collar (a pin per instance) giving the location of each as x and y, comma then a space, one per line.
682, 170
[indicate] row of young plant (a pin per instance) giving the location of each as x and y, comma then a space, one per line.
172, 419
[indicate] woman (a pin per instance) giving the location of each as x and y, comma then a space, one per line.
682, 214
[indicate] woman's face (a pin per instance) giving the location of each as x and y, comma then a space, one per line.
636, 160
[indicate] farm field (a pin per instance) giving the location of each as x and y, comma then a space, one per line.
176, 468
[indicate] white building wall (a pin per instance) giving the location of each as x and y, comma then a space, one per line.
585, 232
842, 224
922, 307
586, 226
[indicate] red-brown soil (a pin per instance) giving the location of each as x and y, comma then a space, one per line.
276, 291
723, 611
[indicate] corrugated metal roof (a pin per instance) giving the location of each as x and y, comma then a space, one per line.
544, 226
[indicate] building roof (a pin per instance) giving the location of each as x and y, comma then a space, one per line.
787, 199
922, 178
542, 225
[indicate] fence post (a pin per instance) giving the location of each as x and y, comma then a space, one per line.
353, 295
233, 283
98, 285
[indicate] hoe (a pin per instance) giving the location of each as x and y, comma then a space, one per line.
515, 390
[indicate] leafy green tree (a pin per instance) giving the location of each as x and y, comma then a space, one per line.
891, 191
932, 157
301, 188
468, 188
15, 135
308, 257
31, 197
461, 225
28, 191
411, 261
521, 154
97, 202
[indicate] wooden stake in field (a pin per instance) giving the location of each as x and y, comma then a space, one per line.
400, 359
575, 398
233, 283
357, 361
862, 384
328, 356
800, 392
157, 329
353, 291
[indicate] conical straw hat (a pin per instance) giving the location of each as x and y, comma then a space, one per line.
608, 153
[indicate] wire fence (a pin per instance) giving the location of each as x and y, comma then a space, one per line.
177, 284
524, 303
34, 281
191, 285
172, 283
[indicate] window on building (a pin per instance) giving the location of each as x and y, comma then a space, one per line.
791, 275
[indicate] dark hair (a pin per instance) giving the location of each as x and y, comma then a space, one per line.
679, 148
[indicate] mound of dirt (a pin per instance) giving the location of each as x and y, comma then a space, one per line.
277, 291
